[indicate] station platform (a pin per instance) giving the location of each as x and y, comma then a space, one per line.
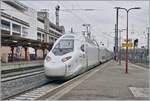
112, 83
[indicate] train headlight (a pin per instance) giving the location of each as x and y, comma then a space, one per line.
48, 58
66, 58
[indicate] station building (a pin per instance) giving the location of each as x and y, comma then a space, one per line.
26, 34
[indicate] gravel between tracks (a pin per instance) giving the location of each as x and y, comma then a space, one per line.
18, 85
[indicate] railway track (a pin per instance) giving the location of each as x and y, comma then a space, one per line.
35, 93
20, 71
55, 89
17, 82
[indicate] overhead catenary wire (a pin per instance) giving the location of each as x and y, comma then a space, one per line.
70, 11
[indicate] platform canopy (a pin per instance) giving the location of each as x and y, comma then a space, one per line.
12, 40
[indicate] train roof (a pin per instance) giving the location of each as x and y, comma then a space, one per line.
79, 36
73, 36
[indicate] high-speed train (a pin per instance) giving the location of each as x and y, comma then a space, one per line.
73, 54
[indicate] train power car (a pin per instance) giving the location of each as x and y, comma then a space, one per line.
73, 54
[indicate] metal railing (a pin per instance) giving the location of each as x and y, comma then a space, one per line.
137, 56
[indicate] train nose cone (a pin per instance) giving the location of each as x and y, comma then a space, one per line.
55, 69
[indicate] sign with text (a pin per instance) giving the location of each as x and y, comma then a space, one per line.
130, 45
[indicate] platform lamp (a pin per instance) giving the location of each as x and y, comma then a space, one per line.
126, 53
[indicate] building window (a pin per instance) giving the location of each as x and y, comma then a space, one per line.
24, 31
49, 39
16, 29
52, 38
5, 25
39, 36
43, 37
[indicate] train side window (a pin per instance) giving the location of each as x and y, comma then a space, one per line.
82, 48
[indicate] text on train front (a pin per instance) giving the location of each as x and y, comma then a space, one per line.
63, 47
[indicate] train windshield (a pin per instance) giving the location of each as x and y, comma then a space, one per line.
63, 47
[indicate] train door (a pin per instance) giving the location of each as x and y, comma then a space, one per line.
83, 56
103, 55
100, 55
90, 55
86, 55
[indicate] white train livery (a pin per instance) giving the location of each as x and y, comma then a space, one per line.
73, 54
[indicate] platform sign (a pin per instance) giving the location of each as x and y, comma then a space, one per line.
129, 45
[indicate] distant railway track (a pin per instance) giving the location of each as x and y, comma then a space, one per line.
20, 71
55, 89
22, 75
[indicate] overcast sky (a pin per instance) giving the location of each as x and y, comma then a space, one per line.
102, 19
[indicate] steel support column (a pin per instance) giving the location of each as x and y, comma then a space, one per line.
12, 53
26, 53
43, 53
35, 53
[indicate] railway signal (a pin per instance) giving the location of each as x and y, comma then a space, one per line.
135, 42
